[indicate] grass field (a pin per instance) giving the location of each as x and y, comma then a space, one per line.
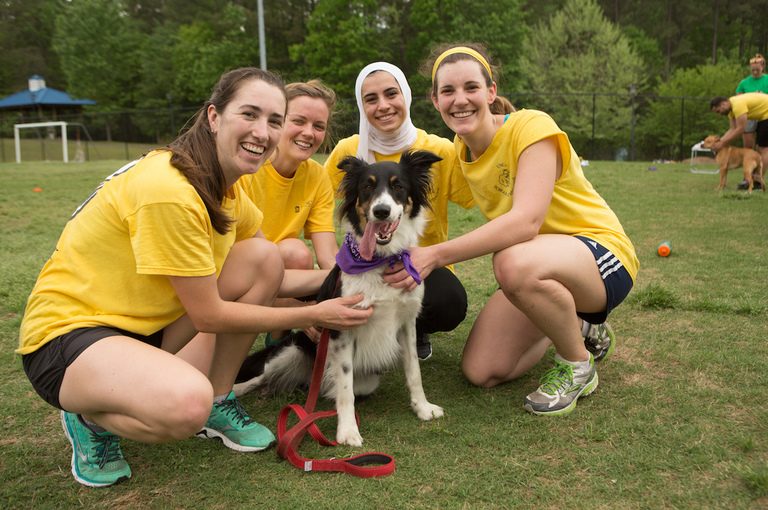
679, 421
45, 149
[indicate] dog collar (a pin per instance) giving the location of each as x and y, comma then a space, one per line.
351, 262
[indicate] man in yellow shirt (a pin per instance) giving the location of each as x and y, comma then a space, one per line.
740, 109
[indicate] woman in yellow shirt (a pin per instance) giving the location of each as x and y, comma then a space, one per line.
292, 190
386, 131
560, 255
167, 246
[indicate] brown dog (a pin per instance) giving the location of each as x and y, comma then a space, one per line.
733, 157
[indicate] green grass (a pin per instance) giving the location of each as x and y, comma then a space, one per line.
679, 420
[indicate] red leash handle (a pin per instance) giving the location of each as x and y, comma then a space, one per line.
366, 465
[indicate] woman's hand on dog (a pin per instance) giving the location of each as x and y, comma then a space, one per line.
399, 278
340, 313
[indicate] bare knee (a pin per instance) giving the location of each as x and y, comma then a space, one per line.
296, 254
478, 375
253, 265
185, 410
514, 273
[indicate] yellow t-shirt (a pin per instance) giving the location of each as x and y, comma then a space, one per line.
448, 183
111, 264
290, 205
754, 104
576, 208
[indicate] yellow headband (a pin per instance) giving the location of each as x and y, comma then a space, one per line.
465, 50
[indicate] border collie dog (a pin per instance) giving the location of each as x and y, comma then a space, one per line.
382, 212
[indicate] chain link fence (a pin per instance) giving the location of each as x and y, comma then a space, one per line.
601, 126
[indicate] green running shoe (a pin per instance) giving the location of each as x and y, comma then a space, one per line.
561, 387
600, 340
97, 460
229, 422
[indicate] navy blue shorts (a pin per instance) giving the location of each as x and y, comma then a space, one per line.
45, 367
615, 276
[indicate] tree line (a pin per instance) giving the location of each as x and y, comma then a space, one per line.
612, 72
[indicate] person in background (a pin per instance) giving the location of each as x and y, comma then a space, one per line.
740, 109
385, 132
560, 256
757, 81
167, 247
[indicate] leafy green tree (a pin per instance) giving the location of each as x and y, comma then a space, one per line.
342, 37
680, 115
204, 50
98, 48
26, 30
578, 52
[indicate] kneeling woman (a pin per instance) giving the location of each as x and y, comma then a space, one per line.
166, 247
560, 255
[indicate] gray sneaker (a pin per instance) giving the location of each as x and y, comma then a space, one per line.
600, 340
561, 387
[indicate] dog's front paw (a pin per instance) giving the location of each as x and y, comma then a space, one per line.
349, 436
427, 411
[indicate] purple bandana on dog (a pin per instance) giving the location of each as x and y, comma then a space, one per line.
351, 262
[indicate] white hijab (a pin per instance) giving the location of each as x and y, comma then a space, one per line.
371, 139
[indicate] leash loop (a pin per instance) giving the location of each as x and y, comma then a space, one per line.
366, 465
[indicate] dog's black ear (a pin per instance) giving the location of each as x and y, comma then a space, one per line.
353, 168
418, 166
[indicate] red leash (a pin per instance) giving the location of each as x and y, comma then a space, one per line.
366, 465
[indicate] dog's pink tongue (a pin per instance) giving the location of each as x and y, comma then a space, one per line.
368, 242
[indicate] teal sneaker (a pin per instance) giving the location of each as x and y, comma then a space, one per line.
269, 340
600, 340
97, 460
229, 422
561, 387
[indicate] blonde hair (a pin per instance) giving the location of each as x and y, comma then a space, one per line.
758, 58
449, 53
315, 89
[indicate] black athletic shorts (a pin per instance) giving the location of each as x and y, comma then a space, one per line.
45, 367
762, 133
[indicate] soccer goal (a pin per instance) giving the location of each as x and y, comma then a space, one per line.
61, 124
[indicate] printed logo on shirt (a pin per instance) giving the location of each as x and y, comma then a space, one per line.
504, 185
306, 206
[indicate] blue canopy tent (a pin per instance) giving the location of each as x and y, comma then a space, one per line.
42, 99
44, 106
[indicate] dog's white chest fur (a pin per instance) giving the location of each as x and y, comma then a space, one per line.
376, 343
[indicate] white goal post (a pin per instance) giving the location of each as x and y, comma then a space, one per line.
17, 141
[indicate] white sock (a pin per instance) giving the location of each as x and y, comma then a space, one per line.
585, 327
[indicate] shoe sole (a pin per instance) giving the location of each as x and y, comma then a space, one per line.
78, 478
208, 433
588, 389
611, 347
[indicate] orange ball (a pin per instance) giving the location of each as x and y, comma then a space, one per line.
664, 249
